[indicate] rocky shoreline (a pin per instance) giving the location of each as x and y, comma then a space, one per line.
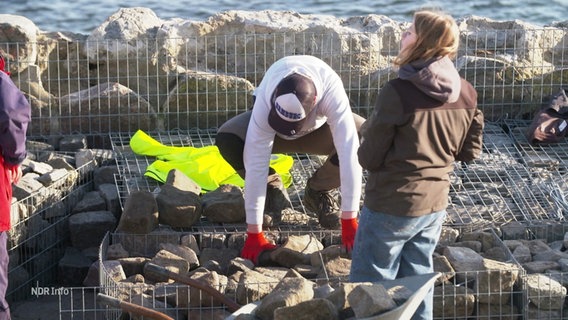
152, 74
139, 72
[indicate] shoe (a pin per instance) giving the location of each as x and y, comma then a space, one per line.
325, 205
277, 199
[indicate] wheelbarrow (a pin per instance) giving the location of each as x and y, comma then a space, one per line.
420, 285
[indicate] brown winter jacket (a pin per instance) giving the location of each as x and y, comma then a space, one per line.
412, 139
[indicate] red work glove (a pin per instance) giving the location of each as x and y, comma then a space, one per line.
254, 245
348, 230
3, 66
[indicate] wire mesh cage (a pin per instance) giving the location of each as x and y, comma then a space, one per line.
180, 90
474, 294
545, 277
37, 240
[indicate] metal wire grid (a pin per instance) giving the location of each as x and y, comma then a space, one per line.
511, 181
549, 303
462, 295
455, 299
504, 65
505, 184
132, 167
37, 243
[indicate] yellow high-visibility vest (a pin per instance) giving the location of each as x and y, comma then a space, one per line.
204, 165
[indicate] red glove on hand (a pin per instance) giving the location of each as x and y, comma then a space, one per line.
3, 66
348, 230
254, 245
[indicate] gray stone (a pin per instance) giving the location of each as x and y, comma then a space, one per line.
104, 175
39, 167
545, 292
370, 300
53, 176
116, 251
185, 252
522, 254
462, 260
73, 142
181, 181
73, 268
296, 250
91, 201
496, 281
178, 208
27, 186
60, 162
288, 292
254, 286
109, 193
222, 256
225, 204
140, 214
168, 260
451, 302
133, 266
88, 228
112, 270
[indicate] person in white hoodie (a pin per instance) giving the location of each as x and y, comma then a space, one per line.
300, 106
424, 121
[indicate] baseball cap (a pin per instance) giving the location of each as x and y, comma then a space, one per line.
293, 100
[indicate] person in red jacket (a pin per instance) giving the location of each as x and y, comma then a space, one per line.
15, 114
424, 121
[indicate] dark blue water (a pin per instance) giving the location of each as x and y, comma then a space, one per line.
83, 16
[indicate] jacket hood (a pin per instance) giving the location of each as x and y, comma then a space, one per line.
438, 78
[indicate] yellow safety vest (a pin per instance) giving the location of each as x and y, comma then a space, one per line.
204, 165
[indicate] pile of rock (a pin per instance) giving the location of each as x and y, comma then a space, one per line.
544, 256
477, 279
137, 71
52, 200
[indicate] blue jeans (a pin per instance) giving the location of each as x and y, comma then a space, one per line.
388, 247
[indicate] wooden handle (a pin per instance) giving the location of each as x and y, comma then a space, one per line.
231, 305
131, 307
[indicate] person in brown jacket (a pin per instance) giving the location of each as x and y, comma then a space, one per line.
423, 121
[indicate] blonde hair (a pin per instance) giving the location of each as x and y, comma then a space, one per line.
437, 35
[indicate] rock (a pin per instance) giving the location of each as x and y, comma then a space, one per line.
113, 271
288, 292
104, 175
544, 292
109, 194
91, 201
73, 143
296, 250
88, 228
178, 208
254, 286
453, 301
140, 214
370, 300
168, 260
185, 252
317, 309
73, 268
225, 204
116, 251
